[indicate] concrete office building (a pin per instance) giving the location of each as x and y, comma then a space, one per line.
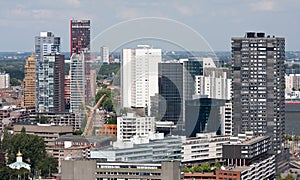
139, 81
131, 125
101, 170
30, 83
258, 85
4, 80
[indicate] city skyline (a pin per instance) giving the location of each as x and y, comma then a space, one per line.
26, 21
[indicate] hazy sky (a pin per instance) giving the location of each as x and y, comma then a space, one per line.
216, 20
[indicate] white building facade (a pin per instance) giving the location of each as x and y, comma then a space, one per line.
131, 125
77, 87
203, 148
139, 81
105, 55
4, 80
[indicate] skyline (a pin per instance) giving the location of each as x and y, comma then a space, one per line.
216, 21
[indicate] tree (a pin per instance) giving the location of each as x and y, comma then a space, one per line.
107, 101
15, 82
217, 165
205, 167
78, 132
186, 169
33, 149
289, 177
6, 140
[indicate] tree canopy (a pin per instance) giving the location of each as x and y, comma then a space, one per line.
33, 149
107, 103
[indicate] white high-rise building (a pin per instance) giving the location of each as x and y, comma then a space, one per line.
4, 80
139, 79
105, 55
77, 87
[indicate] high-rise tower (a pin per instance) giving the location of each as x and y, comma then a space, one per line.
80, 36
139, 76
80, 44
51, 84
258, 86
30, 83
48, 64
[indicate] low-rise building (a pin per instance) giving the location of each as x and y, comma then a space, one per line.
75, 146
48, 132
204, 147
101, 170
57, 118
130, 125
242, 153
107, 130
261, 169
158, 150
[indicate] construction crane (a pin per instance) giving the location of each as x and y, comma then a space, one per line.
89, 127
90, 116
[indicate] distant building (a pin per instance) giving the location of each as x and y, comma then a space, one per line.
139, 76
80, 36
292, 82
51, 84
80, 32
45, 43
77, 87
30, 83
93, 75
4, 80
67, 92
258, 85
131, 125
96, 169
176, 86
105, 55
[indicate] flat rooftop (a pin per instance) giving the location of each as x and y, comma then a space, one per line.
254, 140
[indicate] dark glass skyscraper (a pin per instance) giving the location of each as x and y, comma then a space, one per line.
258, 86
176, 86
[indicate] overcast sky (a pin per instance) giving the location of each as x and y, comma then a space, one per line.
216, 20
